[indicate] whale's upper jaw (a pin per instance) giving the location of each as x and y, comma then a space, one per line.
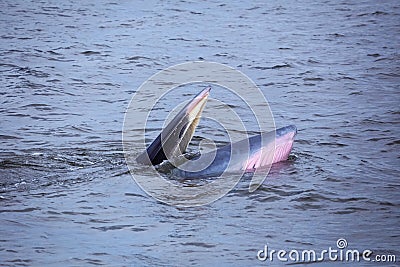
175, 137
191, 119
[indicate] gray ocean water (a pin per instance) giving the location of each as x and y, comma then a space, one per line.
69, 69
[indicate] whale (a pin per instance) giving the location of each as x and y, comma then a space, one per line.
168, 150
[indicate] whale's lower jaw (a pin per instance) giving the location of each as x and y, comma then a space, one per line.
263, 157
282, 152
265, 150
268, 154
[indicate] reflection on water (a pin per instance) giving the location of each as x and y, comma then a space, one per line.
69, 69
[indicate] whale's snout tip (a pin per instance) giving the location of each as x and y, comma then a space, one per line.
291, 129
294, 129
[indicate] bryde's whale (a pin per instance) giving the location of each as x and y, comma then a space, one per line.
247, 155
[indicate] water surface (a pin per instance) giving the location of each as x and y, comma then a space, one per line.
69, 68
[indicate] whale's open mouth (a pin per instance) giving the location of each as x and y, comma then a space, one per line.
175, 137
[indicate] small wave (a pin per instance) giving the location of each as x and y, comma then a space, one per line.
120, 227
199, 244
90, 52
278, 66
9, 137
19, 210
